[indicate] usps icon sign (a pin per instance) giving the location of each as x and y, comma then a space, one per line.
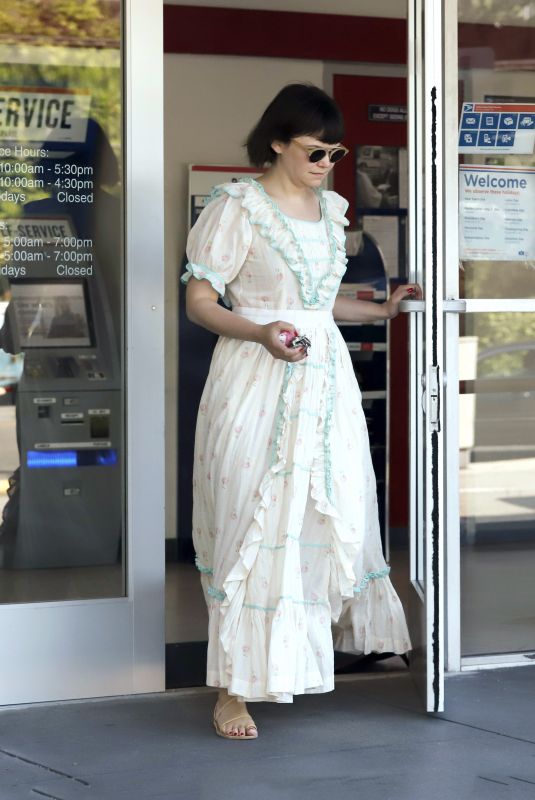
497, 128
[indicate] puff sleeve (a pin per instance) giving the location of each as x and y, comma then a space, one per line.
219, 241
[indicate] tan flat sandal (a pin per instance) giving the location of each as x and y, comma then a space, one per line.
219, 721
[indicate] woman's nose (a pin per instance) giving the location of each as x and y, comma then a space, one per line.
325, 162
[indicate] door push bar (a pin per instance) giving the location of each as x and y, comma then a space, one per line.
449, 306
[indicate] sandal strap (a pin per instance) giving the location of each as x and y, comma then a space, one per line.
221, 708
235, 719
217, 715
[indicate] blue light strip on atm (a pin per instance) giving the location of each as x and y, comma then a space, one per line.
59, 458
38, 459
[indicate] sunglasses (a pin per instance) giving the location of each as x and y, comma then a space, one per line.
316, 154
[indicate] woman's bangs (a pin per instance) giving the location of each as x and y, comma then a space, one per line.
327, 127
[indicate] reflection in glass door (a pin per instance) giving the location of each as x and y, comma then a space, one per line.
62, 455
66, 595
495, 339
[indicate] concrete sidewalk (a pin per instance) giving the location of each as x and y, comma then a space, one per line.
368, 740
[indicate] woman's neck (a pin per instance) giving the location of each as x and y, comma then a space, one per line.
279, 184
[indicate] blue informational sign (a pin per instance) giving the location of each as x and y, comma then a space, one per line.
497, 128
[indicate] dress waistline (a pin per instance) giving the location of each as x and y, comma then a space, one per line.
297, 316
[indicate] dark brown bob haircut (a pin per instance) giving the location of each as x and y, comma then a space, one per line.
299, 109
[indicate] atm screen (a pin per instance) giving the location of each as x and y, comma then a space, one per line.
51, 314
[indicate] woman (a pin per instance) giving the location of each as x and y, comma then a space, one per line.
285, 523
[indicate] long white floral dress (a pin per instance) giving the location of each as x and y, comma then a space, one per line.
285, 522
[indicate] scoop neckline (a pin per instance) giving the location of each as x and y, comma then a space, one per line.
279, 209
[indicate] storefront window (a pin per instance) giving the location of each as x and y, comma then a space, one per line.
496, 145
61, 301
497, 345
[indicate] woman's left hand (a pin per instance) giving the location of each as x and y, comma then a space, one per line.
408, 291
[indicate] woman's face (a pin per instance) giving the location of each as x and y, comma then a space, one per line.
295, 162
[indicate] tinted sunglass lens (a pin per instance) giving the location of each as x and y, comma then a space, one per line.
316, 155
336, 155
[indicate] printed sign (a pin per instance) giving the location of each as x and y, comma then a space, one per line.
40, 114
387, 113
497, 128
496, 211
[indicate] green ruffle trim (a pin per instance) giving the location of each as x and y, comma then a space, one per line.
202, 568
310, 291
217, 593
363, 584
201, 271
329, 410
370, 576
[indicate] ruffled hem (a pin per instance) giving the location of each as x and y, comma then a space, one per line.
303, 636
299, 634
373, 621
274, 226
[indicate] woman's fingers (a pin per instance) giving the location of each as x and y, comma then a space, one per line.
286, 352
412, 290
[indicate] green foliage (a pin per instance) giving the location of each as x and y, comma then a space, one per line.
60, 21
496, 12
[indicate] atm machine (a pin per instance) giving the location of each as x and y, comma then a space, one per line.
70, 424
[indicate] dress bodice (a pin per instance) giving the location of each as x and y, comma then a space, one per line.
256, 256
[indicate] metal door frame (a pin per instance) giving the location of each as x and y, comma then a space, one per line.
425, 118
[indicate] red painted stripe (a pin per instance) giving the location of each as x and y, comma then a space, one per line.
284, 34
290, 34
479, 43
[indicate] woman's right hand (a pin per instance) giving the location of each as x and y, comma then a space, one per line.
269, 337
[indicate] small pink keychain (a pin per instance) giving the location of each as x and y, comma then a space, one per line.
292, 339
287, 337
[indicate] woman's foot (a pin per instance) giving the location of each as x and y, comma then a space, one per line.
231, 718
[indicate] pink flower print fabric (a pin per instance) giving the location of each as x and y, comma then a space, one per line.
287, 568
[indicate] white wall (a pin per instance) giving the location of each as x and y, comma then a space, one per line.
211, 103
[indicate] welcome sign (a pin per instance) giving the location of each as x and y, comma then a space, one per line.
45, 115
496, 213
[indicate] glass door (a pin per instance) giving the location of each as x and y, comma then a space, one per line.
426, 348
472, 247
81, 512
490, 269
